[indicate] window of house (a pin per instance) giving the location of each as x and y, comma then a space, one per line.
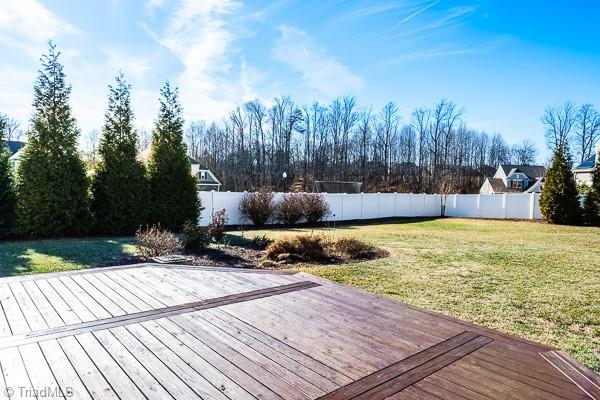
517, 183
203, 175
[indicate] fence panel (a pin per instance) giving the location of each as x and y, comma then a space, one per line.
345, 207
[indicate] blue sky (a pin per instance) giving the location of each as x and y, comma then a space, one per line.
503, 61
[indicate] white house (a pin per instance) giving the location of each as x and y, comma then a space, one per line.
584, 171
206, 179
15, 149
515, 179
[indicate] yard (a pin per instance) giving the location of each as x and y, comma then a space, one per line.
538, 281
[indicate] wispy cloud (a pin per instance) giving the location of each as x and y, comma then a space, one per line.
320, 71
414, 14
27, 24
200, 35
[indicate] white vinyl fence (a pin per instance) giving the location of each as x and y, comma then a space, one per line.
362, 206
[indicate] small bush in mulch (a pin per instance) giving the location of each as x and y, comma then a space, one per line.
195, 239
156, 242
316, 249
301, 248
216, 228
290, 208
260, 242
314, 207
258, 207
354, 249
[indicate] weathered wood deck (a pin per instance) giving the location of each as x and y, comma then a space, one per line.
161, 332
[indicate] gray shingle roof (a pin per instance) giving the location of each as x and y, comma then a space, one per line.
532, 171
588, 163
14, 146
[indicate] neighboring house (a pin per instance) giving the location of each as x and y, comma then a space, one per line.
515, 179
584, 171
206, 179
15, 148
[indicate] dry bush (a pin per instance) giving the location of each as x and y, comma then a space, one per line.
257, 206
216, 229
155, 242
260, 242
298, 248
290, 208
315, 207
195, 238
354, 249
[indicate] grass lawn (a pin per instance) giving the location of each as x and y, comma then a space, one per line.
538, 281
534, 280
33, 257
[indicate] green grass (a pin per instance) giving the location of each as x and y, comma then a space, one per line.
533, 280
33, 257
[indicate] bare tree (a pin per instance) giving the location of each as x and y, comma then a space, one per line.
524, 153
587, 131
559, 122
12, 129
91, 141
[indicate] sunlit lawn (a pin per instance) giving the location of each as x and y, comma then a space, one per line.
534, 280
31, 257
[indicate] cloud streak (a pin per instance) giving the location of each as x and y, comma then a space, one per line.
411, 16
320, 71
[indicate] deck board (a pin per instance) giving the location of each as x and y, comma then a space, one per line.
153, 331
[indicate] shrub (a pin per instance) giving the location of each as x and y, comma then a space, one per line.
315, 207
155, 242
297, 248
559, 201
195, 238
591, 206
8, 198
261, 242
216, 229
257, 206
354, 249
290, 208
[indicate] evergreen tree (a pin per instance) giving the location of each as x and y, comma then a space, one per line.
7, 193
173, 192
591, 206
119, 187
559, 201
52, 187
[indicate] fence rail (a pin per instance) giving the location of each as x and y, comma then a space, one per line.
364, 206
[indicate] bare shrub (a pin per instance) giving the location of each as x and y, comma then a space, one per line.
260, 242
156, 242
258, 206
354, 249
216, 229
315, 207
290, 208
195, 238
297, 248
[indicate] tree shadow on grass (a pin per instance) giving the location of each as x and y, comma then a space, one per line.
38, 256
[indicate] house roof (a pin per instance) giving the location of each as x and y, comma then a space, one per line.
14, 146
587, 164
499, 187
532, 171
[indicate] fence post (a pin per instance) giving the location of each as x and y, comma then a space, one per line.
378, 204
531, 205
395, 204
479, 205
342, 216
504, 204
362, 196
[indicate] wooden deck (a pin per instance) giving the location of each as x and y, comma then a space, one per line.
161, 332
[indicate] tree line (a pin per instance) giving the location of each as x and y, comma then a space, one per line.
256, 144
51, 193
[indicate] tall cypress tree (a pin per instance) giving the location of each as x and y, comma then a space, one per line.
119, 187
52, 187
173, 192
7, 190
559, 201
591, 206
